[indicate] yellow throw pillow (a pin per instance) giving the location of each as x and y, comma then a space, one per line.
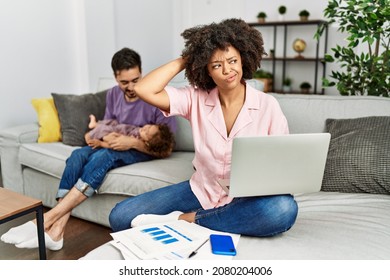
49, 123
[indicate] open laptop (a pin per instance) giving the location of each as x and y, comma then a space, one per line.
284, 164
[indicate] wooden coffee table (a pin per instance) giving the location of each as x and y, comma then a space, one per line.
14, 205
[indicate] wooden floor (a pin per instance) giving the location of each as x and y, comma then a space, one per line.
80, 238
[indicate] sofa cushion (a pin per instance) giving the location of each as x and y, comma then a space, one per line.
307, 113
50, 158
359, 155
183, 136
74, 110
49, 124
141, 177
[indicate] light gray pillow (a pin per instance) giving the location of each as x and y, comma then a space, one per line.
359, 155
183, 136
73, 113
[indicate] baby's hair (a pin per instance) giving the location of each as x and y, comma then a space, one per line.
202, 41
162, 143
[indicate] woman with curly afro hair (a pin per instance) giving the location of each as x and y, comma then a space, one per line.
219, 105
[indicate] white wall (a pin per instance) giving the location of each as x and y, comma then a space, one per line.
66, 45
145, 26
99, 40
38, 55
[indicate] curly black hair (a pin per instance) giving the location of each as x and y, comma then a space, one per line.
203, 40
162, 143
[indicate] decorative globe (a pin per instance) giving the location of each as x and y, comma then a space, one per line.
299, 46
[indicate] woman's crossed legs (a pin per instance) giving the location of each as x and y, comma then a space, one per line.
254, 216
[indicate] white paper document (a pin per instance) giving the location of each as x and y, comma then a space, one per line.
174, 240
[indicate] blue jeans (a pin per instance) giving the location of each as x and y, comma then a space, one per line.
86, 168
253, 216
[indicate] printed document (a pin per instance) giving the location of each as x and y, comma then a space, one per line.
174, 240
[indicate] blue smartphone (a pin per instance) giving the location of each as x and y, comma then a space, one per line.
222, 245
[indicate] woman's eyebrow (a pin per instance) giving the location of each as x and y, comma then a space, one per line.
230, 58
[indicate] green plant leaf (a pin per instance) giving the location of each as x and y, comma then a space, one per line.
365, 22
374, 16
329, 58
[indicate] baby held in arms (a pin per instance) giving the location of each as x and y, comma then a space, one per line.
157, 137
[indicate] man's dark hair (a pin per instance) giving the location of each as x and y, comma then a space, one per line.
125, 59
201, 42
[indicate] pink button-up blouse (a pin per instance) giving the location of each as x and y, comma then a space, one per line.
260, 115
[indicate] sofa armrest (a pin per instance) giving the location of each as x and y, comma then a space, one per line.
21, 134
10, 141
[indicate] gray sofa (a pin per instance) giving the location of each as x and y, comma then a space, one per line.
330, 225
35, 169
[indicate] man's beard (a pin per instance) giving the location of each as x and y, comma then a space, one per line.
130, 94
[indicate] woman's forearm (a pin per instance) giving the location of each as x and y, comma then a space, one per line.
155, 81
151, 87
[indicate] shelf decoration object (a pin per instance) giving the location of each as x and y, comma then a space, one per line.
287, 84
305, 87
304, 15
261, 17
299, 46
271, 53
282, 11
266, 78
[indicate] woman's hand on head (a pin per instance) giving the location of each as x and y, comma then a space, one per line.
151, 88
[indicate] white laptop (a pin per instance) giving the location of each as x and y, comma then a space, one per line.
284, 164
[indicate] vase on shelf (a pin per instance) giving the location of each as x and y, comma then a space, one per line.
286, 89
304, 18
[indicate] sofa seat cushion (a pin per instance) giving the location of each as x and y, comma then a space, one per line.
329, 226
146, 176
50, 158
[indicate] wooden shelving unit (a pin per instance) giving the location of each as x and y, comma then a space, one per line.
317, 61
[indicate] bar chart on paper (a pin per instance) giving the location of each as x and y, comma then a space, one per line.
152, 241
161, 234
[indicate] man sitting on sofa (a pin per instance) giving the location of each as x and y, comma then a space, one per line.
87, 166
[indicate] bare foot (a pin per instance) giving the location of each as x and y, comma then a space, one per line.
92, 121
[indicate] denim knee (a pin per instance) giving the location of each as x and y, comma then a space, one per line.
78, 157
116, 223
111, 220
287, 211
276, 216
81, 153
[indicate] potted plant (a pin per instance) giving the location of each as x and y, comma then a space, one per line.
271, 53
304, 15
282, 10
287, 84
261, 17
364, 62
265, 77
305, 87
